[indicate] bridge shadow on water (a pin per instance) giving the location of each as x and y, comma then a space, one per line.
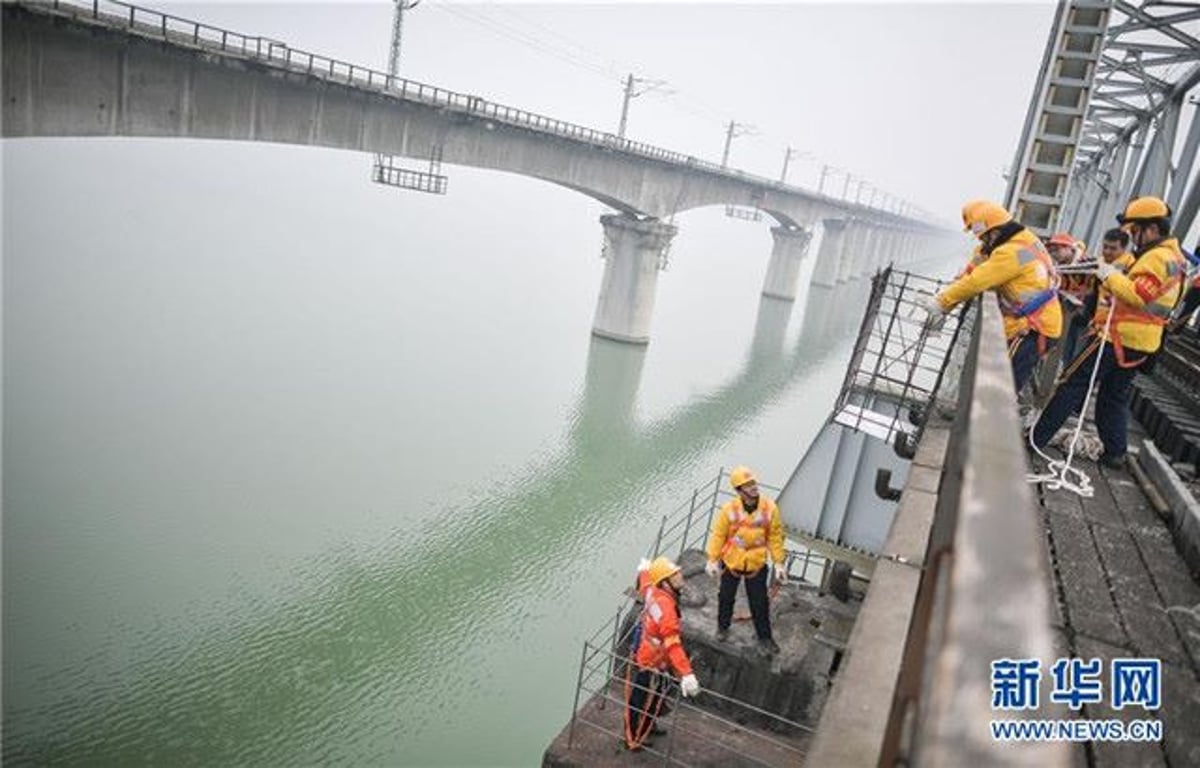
373, 634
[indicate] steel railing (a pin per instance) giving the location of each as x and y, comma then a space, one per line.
598, 680
187, 32
896, 357
684, 529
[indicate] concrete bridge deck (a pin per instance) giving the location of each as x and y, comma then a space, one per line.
106, 68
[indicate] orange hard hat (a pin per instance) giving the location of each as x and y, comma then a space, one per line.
1062, 238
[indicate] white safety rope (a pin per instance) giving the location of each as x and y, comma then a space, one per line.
1060, 474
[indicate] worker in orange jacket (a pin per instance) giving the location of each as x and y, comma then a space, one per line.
659, 651
1013, 262
745, 530
1134, 307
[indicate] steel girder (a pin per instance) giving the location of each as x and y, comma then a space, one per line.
1129, 144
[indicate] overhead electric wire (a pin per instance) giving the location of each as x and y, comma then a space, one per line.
532, 34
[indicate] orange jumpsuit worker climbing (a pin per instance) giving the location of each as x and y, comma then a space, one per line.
1013, 262
659, 649
742, 533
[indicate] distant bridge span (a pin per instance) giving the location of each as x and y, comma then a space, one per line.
110, 69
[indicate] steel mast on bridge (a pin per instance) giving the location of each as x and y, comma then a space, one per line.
387, 169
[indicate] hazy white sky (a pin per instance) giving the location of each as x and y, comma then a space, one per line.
925, 100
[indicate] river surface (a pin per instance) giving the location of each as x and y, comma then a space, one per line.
300, 469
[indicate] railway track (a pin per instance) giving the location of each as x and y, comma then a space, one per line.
1167, 401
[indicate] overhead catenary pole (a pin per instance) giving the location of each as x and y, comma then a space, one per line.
825, 169
632, 92
858, 192
735, 129
397, 34
787, 157
625, 106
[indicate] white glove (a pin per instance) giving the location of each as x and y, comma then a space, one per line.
689, 686
781, 574
712, 568
935, 315
1104, 269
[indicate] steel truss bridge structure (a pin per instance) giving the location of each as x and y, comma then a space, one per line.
1111, 118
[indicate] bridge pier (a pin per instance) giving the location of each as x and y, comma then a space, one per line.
829, 255
851, 242
874, 243
633, 252
887, 251
791, 245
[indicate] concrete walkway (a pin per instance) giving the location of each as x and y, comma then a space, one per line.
1122, 590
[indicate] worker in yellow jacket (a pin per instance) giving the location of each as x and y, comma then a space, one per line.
1142, 300
1012, 261
744, 531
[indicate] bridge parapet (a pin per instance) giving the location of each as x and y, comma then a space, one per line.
962, 581
42, 108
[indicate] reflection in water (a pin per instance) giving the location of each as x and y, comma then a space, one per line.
770, 329
610, 387
357, 655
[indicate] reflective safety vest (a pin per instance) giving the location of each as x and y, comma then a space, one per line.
742, 540
1144, 299
1022, 273
1104, 296
660, 646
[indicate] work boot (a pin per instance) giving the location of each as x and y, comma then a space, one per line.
722, 634
1111, 462
658, 730
768, 645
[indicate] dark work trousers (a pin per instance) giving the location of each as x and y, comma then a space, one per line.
1024, 357
756, 594
1112, 399
1076, 327
648, 693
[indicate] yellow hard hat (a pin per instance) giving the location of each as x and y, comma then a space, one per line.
981, 215
968, 210
740, 476
1144, 208
661, 569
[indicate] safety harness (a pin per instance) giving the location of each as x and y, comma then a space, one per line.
1060, 474
1151, 313
739, 520
634, 741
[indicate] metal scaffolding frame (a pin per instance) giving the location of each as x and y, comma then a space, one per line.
1129, 142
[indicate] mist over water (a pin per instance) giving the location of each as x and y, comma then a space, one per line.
303, 469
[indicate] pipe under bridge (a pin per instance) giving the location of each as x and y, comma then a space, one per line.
78, 68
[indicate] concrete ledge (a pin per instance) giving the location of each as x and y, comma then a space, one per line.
854, 722
855, 719
779, 296
640, 340
1184, 514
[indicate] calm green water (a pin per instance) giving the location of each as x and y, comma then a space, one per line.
299, 469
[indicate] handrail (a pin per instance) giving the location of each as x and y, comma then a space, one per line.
598, 681
176, 29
